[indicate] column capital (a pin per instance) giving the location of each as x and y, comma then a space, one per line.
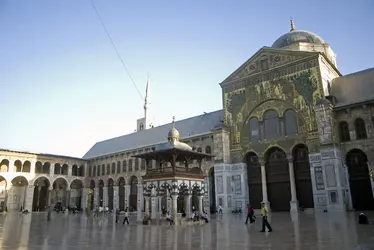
174, 196
289, 158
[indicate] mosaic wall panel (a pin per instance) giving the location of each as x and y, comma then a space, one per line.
219, 184
237, 184
318, 173
330, 175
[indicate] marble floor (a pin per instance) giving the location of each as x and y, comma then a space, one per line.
299, 231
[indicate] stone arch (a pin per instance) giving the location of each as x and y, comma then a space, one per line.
280, 106
133, 203
17, 193
4, 166
277, 179
290, 122
121, 182
303, 178
42, 176
74, 170
3, 188
76, 193
252, 160
359, 180
81, 171
110, 184
38, 167
46, 167
18, 166
65, 169
60, 187
40, 199
57, 168
26, 167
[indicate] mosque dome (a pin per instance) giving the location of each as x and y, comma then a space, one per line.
297, 36
173, 133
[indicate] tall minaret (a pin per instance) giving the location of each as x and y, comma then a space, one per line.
146, 99
146, 121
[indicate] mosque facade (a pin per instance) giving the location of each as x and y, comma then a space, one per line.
293, 133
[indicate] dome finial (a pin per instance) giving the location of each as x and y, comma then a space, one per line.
292, 24
173, 121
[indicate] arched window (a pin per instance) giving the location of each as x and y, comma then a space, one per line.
89, 171
103, 169
360, 129
344, 131
254, 129
108, 169
124, 166
113, 168
98, 170
271, 122
130, 165
94, 171
118, 167
136, 164
199, 150
142, 164
290, 121
208, 150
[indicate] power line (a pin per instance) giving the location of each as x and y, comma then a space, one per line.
115, 49
118, 54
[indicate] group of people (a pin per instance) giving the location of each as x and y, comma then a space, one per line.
264, 214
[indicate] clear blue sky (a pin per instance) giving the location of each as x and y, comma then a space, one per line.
63, 87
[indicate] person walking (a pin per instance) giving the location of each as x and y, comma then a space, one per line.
117, 215
264, 214
250, 215
49, 213
126, 219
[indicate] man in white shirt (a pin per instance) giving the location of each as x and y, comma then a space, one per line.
126, 219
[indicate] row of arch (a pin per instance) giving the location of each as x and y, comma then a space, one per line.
278, 178
273, 125
16, 196
41, 168
121, 182
127, 165
359, 126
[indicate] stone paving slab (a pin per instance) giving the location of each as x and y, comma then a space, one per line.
291, 231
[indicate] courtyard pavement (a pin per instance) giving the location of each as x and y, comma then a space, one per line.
305, 230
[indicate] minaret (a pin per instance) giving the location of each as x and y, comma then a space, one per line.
146, 99
146, 121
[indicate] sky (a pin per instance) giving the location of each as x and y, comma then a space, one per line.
63, 87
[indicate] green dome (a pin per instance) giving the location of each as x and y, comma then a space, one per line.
297, 36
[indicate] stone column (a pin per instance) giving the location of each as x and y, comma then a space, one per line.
174, 208
49, 195
105, 197
84, 198
200, 204
67, 197
115, 198
294, 204
147, 199
96, 198
140, 197
38, 200
160, 205
187, 200
127, 196
153, 207
29, 198
264, 185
